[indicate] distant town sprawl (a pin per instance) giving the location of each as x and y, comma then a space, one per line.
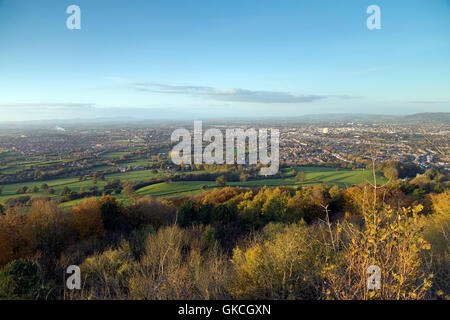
43, 153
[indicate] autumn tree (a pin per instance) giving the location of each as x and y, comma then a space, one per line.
87, 219
148, 211
14, 237
50, 231
221, 181
300, 177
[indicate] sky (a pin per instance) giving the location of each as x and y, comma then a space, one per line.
237, 58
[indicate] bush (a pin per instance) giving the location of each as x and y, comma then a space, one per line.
177, 264
436, 230
21, 280
105, 274
284, 266
390, 240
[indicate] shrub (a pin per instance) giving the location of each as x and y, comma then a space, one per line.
105, 274
284, 266
436, 230
390, 240
177, 264
21, 280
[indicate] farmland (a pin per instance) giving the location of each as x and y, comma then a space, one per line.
313, 175
10, 190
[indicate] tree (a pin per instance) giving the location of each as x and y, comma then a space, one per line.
87, 219
50, 231
243, 177
225, 213
14, 242
44, 187
391, 173
22, 190
1, 189
128, 189
186, 213
300, 177
111, 214
113, 186
441, 203
65, 192
147, 212
437, 188
335, 192
221, 181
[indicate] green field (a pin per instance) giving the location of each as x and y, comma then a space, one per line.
314, 175
10, 190
113, 155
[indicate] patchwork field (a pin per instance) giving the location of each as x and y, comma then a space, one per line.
313, 175
10, 190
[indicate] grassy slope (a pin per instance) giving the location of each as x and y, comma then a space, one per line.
314, 175
9, 190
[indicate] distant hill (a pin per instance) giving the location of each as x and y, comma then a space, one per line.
438, 117
430, 116
434, 117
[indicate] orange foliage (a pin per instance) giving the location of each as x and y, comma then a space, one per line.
14, 242
87, 219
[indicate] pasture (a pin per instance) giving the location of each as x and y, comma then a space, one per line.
313, 175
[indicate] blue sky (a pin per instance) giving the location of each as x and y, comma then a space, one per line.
236, 58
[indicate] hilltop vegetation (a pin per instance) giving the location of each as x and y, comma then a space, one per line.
313, 242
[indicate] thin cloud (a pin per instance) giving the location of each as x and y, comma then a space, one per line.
48, 106
234, 95
428, 102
